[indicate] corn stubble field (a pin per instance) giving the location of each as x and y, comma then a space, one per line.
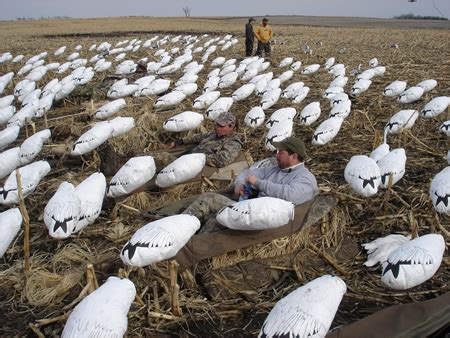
232, 294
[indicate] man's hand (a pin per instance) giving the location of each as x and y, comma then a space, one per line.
251, 179
238, 191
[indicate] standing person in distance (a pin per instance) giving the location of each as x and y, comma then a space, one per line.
264, 34
249, 37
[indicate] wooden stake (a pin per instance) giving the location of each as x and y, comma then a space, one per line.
174, 289
26, 221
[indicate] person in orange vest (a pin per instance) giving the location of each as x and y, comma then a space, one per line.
263, 34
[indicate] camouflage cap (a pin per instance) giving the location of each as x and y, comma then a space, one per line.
293, 144
226, 118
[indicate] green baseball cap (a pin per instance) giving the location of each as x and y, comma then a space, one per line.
293, 144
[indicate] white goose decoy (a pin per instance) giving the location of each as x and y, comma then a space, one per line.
65, 90
73, 56
404, 119
243, 92
249, 74
414, 262
427, 85
310, 113
116, 92
379, 70
310, 69
8, 136
206, 99
103, 313
341, 109
281, 115
286, 62
102, 66
435, 107
32, 146
156, 87
339, 81
393, 164
373, 62
331, 92
410, 95
290, 91
110, 108
255, 117
228, 80
444, 128
278, 133
10, 223
363, 175
215, 72
37, 73
368, 74
395, 88
92, 138
159, 240
227, 70
136, 172
18, 58
20, 118
6, 113
187, 88
6, 101
187, 78
221, 105
5, 80
121, 125
306, 312
181, 170
286, 76
327, 130
260, 86
60, 50
440, 191
379, 250
339, 98
26, 68
296, 66
218, 61
379, 152
9, 160
31, 176
126, 67
270, 98
62, 211
329, 63
211, 84
91, 193
360, 86
64, 67
300, 95
184, 121
145, 80
170, 99
272, 84
23, 88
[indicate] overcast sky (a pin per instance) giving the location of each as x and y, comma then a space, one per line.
12, 9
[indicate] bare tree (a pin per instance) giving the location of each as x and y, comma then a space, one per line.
187, 11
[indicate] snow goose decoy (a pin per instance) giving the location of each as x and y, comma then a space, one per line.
360, 86
121, 125
341, 109
427, 85
132, 175
9, 160
255, 117
413, 262
6, 101
221, 105
290, 91
435, 107
395, 88
393, 164
281, 115
206, 99
91, 193
285, 76
6, 113
278, 133
329, 63
8, 135
159, 240
32, 146
310, 113
307, 311
379, 249
339, 81
10, 223
92, 138
227, 70
228, 80
110, 108
327, 131
187, 88
379, 152
331, 92
184, 121
310, 69
243, 92
270, 98
103, 313
187, 78
440, 191
363, 175
410, 95
300, 95
169, 100
155, 87
286, 62
211, 84
404, 119
181, 170
296, 66
62, 211
444, 128
31, 176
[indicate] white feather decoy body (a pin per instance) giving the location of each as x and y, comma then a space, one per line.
290, 91
379, 250
414, 262
310, 69
427, 85
278, 133
255, 117
228, 80
363, 175
395, 88
103, 313
444, 128
286, 62
211, 84
281, 115
440, 191
169, 100
310, 113
300, 95
410, 95
121, 125
132, 175
243, 92
379, 152
220, 106
184, 121
331, 92
187, 88
338, 98
92, 138
6, 101
110, 108
6, 113
360, 87
296, 66
206, 99
285, 76
9, 160
32, 146
159, 240
329, 63
306, 312
339, 81
8, 136
181, 170
10, 223
435, 107
91, 193
404, 119
270, 98
62, 211
393, 164
341, 109
327, 131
